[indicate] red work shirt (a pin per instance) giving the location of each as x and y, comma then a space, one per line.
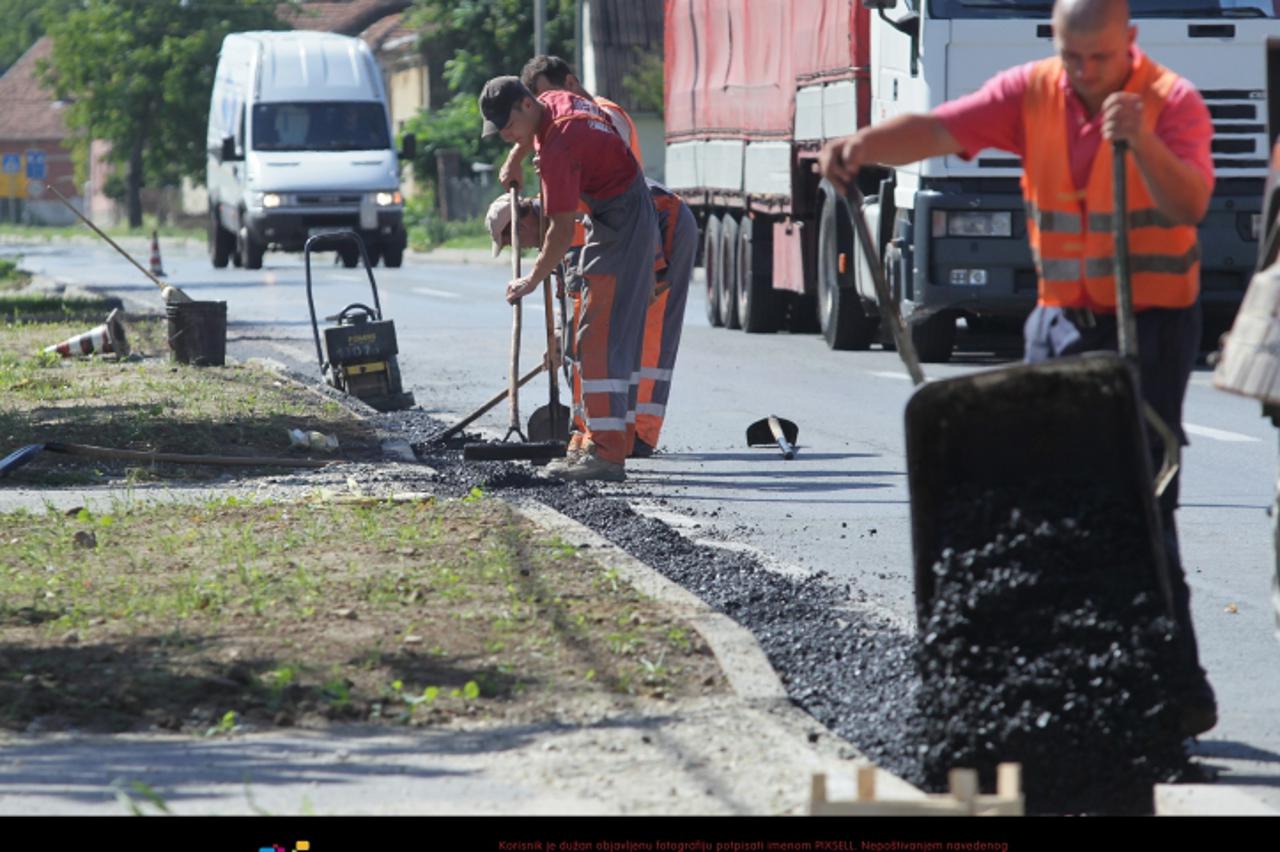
580, 156
992, 118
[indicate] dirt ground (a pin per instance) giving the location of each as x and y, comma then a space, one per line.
228, 616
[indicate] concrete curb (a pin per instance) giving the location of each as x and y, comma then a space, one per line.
740, 657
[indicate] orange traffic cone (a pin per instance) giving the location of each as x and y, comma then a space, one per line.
156, 269
106, 338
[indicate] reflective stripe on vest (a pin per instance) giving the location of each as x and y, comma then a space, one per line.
1070, 230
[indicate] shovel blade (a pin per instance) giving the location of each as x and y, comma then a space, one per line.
514, 451
18, 458
545, 421
760, 435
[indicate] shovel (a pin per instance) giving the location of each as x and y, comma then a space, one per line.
774, 430
506, 449
1073, 419
551, 421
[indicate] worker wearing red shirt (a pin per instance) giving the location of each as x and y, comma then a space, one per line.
1055, 114
582, 159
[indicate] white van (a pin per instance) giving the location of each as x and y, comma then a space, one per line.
300, 142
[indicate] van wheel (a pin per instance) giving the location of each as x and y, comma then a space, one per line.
249, 250
222, 243
392, 257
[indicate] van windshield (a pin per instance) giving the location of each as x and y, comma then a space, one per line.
320, 126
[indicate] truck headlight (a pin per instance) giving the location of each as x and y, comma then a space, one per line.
972, 223
388, 199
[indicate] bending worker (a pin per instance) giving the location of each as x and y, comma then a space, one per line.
664, 319
1060, 115
679, 233
582, 159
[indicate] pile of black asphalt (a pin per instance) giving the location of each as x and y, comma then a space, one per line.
1045, 643
1038, 688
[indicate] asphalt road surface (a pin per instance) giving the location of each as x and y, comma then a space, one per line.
841, 506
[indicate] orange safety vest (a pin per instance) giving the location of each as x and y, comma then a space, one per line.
1070, 230
611, 109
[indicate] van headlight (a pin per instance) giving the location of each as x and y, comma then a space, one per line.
972, 223
268, 200
388, 199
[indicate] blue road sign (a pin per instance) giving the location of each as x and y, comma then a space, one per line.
35, 165
12, 164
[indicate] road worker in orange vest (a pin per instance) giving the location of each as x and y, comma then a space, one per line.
583, 160
1061, 115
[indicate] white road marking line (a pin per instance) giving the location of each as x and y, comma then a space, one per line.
1219, 434
440, 294
885, 374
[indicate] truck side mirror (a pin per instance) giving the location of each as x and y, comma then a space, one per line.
882, 5
228, 151
408, 147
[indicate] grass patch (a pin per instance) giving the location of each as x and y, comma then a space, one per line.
429, 232
48, 232
11, 277
149, 403
47, 307
204, 618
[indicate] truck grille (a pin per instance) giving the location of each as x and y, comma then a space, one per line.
1239, 128
1239, 132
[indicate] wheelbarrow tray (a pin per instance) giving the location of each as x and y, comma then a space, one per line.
1064, 423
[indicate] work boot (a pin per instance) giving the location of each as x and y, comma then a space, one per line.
1197, 708
589, 466
571, 453
641, 450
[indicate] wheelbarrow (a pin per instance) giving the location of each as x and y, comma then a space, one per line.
1077, 419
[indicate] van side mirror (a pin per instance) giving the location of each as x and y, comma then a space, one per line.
882, 5
408, 147
228, 151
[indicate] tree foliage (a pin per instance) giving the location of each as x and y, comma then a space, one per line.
22, 24
469, 41
138, 73
466, 43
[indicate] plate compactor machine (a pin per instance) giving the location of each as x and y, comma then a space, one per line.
358, 356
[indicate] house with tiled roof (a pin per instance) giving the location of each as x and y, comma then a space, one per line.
32, 130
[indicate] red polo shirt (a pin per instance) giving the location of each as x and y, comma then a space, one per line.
992, 118
579, 153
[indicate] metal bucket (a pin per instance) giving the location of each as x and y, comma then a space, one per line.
198, 333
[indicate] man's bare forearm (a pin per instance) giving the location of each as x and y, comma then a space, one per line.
557, 241
898, 141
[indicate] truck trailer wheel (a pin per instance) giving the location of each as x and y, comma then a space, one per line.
756, 310
728, 279
711, 268
845, 325
222, 243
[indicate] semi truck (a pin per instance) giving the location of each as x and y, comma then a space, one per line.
300, 142
755, 87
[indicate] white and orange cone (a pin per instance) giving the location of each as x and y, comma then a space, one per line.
156, 268
108, 338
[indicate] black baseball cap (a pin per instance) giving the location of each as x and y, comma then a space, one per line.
497, 98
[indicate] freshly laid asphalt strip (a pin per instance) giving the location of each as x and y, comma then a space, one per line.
858, 674
1045, 643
